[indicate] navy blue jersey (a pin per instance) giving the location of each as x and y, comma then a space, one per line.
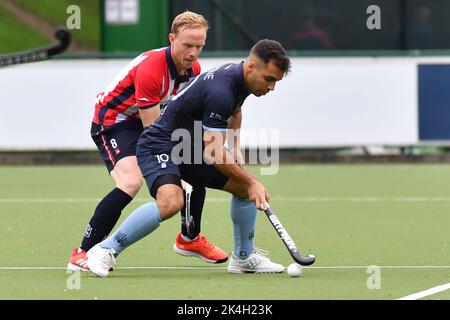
210, 98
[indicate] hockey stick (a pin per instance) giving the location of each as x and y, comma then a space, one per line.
39, 54
189, 219
287, 240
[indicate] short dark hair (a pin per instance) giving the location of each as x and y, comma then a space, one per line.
271, 50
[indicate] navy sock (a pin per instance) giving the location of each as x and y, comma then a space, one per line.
197, 201
105, 217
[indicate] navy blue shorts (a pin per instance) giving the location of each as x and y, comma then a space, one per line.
116, 141
156, 164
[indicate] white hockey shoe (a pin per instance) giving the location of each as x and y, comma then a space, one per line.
257, 262
100, 260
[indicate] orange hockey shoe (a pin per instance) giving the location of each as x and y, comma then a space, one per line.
200, 248
78, 261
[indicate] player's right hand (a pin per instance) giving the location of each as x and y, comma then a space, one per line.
258, 194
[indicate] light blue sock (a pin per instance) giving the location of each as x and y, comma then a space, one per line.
141, 222
243, 215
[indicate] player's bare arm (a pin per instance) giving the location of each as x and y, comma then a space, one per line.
150, 115
234, 137
222, 159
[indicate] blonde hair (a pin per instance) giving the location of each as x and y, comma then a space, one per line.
188, 20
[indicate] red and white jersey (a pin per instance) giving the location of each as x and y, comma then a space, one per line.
148, 80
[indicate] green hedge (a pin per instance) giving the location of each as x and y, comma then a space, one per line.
55, 12
16, 35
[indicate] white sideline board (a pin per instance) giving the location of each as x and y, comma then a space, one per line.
323, 102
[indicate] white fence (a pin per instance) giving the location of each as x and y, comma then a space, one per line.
323, 102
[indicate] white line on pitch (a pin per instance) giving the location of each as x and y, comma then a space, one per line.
220, 268
426, 293
226, 199
132, 268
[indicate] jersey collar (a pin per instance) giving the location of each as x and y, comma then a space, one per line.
244, 92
